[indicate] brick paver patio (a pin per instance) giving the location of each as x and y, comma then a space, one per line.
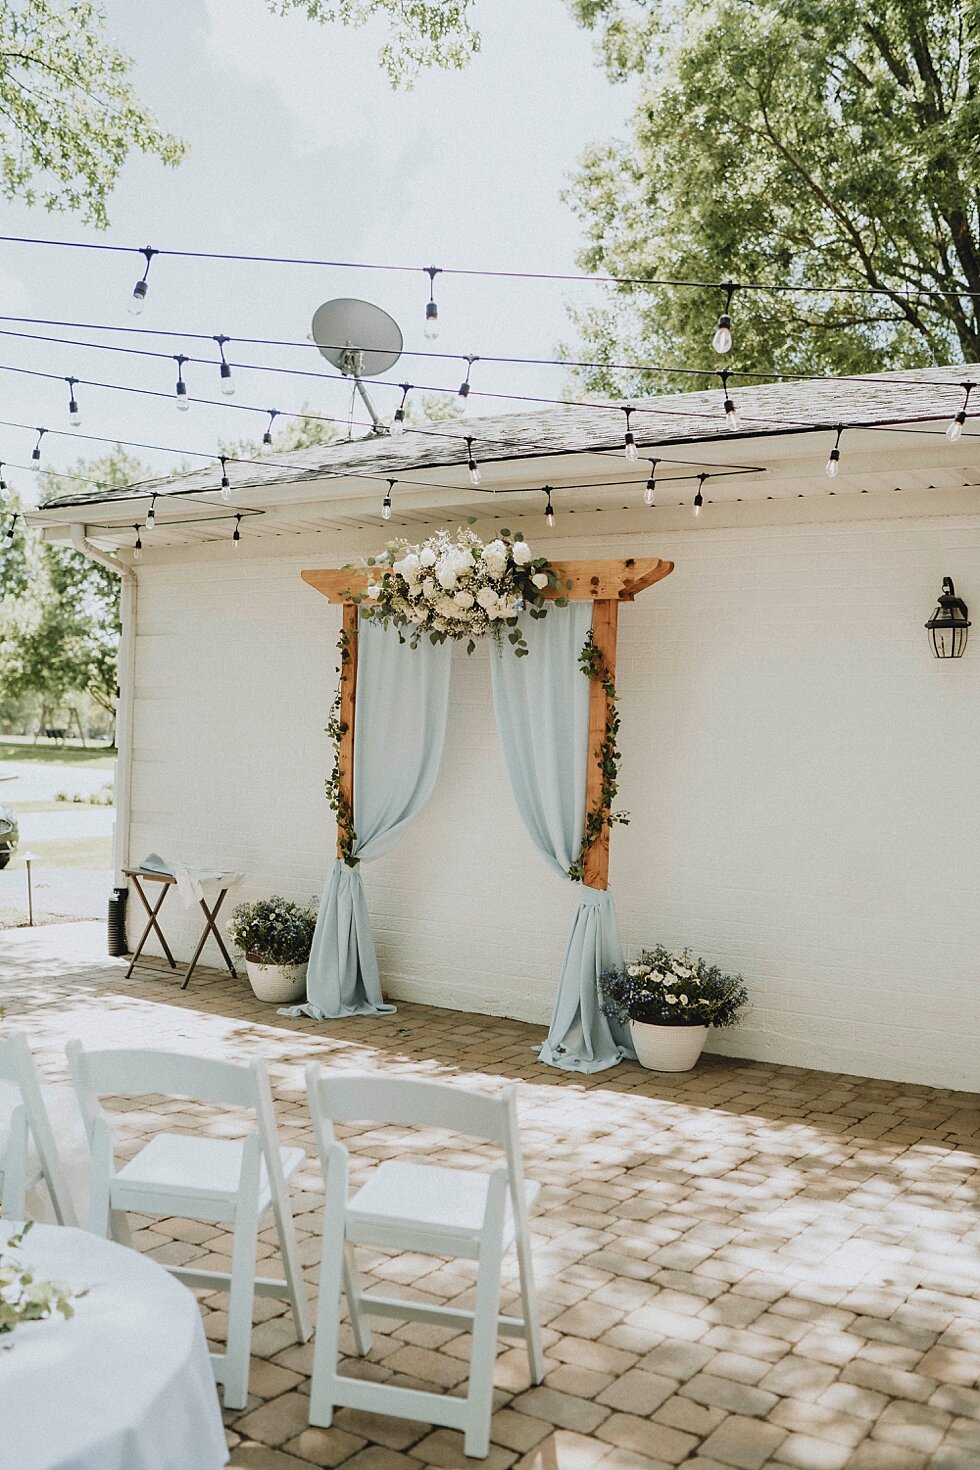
744, 1266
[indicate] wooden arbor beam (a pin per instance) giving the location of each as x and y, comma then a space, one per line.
603, 583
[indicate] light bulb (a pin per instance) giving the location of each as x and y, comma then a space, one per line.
227, 382
731, 415
4, 492
398, 422
649, 494
236, 539
475, 476
629, 449
151, 518
386, 508
549, 514
74, 417
431, 321
832, 467
35, 459
138, 551
722, 340
698, 502
183, 402
225, 491
955, 430
138, 299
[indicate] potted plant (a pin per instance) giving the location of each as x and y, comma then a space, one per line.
275, 936
670, 1001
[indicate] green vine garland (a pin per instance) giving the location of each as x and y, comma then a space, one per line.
336, 729
593, 665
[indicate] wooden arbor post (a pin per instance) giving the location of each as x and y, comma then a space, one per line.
603, 583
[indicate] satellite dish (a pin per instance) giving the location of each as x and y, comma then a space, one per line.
359, 339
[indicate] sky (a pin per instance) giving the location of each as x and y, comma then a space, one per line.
299, 146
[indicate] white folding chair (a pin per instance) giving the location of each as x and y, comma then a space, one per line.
432, 1210
28, 1152
217, 1180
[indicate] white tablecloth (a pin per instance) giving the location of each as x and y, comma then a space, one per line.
126, 1384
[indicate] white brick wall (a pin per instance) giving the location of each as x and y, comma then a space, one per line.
803, 777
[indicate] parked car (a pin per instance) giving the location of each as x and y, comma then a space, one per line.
9, 834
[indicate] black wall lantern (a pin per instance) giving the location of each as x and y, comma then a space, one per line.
949, 625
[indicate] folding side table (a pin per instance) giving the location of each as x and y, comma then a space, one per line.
168, 881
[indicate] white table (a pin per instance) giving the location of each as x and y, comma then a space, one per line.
126, 1384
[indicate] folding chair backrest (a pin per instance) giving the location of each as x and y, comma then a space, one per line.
17, 1066
348, 1097
98, 1073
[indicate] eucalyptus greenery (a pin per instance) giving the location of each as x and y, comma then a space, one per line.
22, 1297
664, 989
602, 815
274, 930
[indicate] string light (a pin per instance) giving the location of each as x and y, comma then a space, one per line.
224, 371
236, 535
549, 510
731, 412
183, 402
398, 417
955, 430
629, 443
722, 340
699, 498
138, 546
4, 491
472, 466
464, 387
36, 451
151, 514
8, 539
386, 503
649, 494
138, 299
74, 415
225, 482
832, 467
431, 309
273, 415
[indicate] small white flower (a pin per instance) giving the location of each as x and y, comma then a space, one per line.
521, 553
427, 557
464, 599
540, 579
683, 1000
671, 999
633, 970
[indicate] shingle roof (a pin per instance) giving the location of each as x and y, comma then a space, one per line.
918, 395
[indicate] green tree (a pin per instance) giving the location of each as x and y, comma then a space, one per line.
788, 142
420, 33
59, 622
69, 117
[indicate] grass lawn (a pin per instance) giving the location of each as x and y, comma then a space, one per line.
71, 852
22, 748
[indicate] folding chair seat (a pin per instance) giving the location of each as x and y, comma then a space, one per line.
29, 1154
216, 1180
428, 1209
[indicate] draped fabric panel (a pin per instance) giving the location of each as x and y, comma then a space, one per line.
542, 709
399, 732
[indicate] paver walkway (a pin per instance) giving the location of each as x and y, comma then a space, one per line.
741, 1267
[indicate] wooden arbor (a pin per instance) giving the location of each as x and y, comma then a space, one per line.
603, 583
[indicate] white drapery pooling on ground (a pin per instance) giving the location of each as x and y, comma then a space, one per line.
542, 710
399, 732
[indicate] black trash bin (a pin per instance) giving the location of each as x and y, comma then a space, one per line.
117, 922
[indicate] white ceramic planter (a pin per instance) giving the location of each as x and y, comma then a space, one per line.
276, 984
668, 1048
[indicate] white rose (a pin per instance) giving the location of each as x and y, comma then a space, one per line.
495, 549
464, 599
446, 576
486, 597
521, 553
411, 564
427, 557
540, 579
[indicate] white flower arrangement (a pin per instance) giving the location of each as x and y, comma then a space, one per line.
453, 585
